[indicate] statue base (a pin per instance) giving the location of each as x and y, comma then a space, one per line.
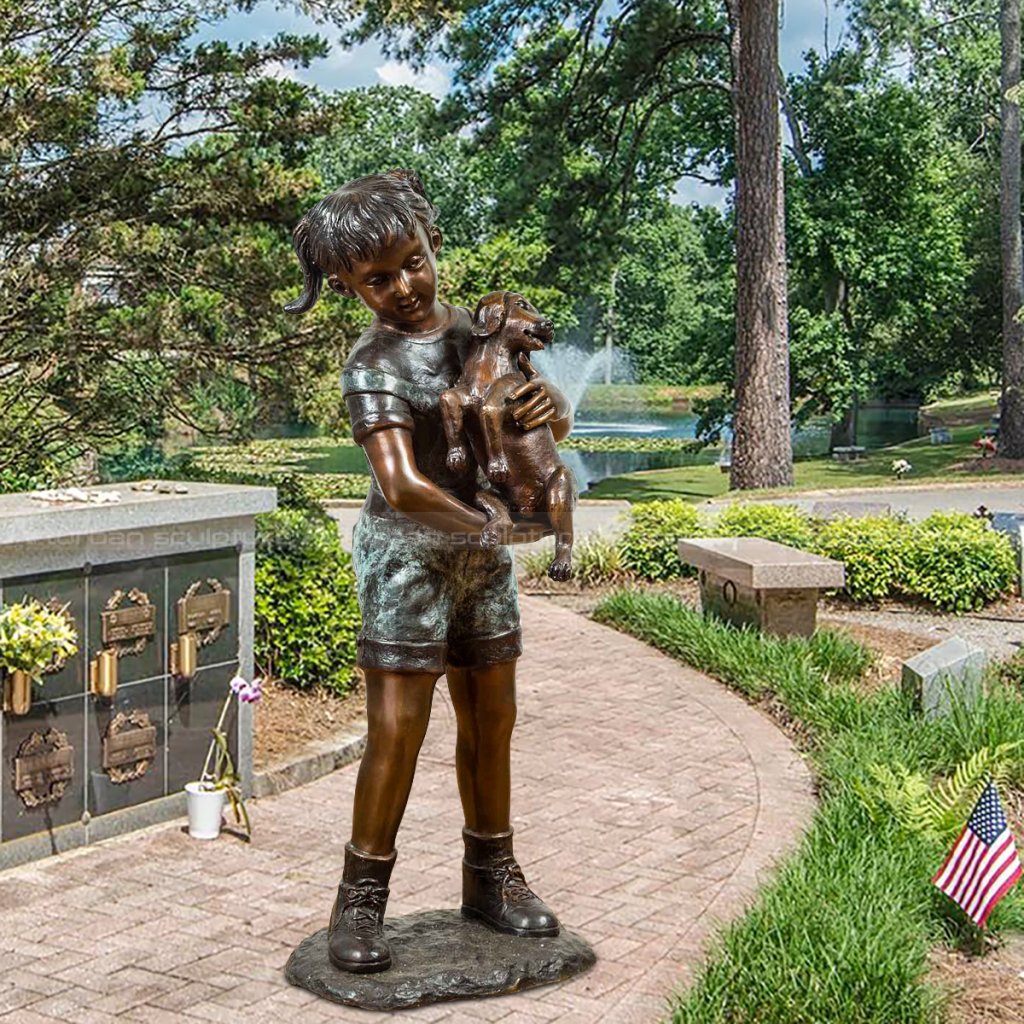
438, 955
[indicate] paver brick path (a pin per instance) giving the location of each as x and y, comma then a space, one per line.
648, 801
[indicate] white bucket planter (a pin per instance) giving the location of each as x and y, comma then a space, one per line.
205, 807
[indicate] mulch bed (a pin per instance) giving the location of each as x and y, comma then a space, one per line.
288, 721
994, 464
985, 989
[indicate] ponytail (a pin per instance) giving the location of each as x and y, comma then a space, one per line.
312, 275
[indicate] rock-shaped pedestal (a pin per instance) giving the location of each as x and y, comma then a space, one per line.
438, 955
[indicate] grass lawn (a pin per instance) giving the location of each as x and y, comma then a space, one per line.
696, 483
842, 931
979, 407
643, 396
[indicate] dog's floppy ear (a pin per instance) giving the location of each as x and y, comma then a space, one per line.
490, 315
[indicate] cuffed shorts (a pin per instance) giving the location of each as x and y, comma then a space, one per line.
427, 602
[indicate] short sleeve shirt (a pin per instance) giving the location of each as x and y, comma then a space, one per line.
393, 379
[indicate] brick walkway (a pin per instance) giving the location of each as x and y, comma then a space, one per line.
649, 803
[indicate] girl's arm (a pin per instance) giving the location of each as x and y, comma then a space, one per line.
408, 491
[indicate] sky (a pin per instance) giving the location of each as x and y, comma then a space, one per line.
802, 27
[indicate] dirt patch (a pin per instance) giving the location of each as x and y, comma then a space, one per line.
985, 989
891, 648
994, 464
287, 720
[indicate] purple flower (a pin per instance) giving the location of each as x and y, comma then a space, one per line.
248, 693
251, 693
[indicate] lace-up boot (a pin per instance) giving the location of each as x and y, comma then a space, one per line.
495, 891
355, 936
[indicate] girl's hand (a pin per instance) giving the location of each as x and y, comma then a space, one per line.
541, 402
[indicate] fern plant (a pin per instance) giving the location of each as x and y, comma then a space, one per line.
938, 809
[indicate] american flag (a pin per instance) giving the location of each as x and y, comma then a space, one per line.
983, 864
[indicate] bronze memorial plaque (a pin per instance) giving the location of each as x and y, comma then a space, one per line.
128, 627
205, 614
129, 746
43, 766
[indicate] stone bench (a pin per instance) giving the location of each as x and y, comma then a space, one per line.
751, 581
848, 453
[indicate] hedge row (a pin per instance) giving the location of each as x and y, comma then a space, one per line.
952, 560
307, 614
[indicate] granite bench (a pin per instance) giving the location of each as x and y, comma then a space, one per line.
751, 581
848, 453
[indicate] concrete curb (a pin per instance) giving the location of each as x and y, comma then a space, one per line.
318, 760
842, 492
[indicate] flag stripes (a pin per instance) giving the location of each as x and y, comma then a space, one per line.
984, 863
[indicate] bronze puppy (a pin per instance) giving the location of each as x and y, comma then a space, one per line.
522, 466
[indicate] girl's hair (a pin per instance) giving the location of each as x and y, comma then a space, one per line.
355, 223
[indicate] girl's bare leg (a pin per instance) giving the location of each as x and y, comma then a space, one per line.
485, 711
398, 710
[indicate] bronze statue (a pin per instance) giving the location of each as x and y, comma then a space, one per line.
434, 600
522, 464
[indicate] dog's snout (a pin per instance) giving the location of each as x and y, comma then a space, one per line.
546, 325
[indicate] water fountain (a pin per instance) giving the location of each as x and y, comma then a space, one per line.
572, 370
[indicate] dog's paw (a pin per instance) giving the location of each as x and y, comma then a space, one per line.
490, 535
560, 569
456, 460
497, 470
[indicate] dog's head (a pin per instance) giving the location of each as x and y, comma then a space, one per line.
520, 327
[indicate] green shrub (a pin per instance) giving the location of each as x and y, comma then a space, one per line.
875, 550
142, 460
13, 480
595, 560
649, 548
307, 614
958, 562
785, 524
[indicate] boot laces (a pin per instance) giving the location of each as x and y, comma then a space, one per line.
513, 884
364, 906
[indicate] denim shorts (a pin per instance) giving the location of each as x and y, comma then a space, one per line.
427, 601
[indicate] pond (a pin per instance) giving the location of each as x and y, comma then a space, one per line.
878, 426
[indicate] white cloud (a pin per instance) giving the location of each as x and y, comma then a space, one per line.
432, 79
278, 69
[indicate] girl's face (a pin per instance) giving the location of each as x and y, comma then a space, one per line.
400, 283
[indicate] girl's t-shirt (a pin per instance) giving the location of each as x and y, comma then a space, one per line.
393, 379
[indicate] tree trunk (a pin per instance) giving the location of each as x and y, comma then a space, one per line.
1011, 421
844, 430
762, 452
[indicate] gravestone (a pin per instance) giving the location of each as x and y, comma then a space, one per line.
1012, 523
951, 670
854, 509
940, 435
